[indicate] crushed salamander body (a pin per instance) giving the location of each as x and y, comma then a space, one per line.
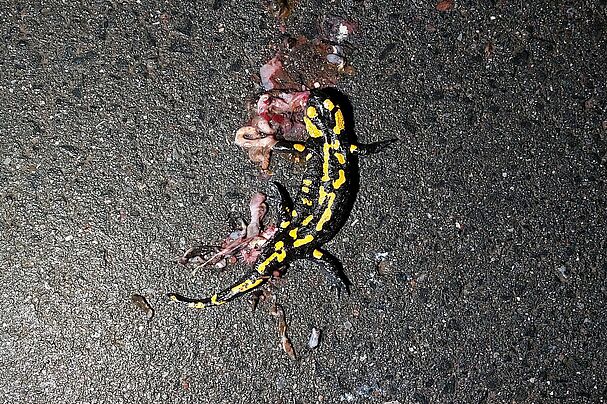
321, 207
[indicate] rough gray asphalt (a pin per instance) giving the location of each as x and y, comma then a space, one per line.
116, 123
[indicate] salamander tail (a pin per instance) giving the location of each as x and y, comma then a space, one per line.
246, 284
193, 303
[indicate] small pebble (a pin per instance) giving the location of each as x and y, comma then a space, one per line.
314, 338
563, 274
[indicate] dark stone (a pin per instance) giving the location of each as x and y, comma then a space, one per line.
236, 66
420, 398
84, 58
386, 51
521, 58
181, 47
185, 25
449, 387
77, 92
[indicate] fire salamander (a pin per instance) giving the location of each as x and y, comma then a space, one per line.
321, 207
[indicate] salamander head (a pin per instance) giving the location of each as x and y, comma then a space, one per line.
323, 116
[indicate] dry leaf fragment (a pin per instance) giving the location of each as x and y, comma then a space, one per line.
142, 303
445, 5
489, 48
288, 347
279, 313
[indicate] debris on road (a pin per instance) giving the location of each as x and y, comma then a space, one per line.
285, 342
242, 245
142, 303
314, 338
445, 5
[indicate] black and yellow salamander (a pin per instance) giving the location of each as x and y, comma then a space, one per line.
322, 205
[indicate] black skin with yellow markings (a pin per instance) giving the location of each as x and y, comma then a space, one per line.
322, 205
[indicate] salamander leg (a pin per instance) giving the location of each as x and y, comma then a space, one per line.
361, 149
333, 270
285, 205
249, 282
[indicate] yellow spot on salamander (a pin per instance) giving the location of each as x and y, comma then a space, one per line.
317, 254
294, 213
353, 148
339, 122
307, 182
341, 158
322, 194
302, 241
325, 164
279, 245
214, 300
326, 215
312, 130
196, 305
293, 233
305, 189
280, 256
246, 285
308, 156
340, 180
311, 112
285, 224
299, 147
307, 220
328, 104
306, 201
262, 267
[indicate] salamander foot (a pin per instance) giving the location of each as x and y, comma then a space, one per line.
371, 148
333, 270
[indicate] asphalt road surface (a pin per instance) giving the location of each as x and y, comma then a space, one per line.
476, 248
